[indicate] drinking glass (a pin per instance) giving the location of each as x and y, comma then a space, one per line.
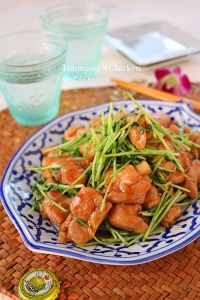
31, 71
83, 26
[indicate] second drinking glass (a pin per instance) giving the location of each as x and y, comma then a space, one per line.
83, 26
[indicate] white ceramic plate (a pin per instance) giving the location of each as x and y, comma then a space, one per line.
41, 235
151, 43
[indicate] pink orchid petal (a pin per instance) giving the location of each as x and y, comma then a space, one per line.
161, 73
177, 71
165, 89
186, 85
177, 91
172, 81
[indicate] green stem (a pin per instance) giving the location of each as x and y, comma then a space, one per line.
47, 197
40, 169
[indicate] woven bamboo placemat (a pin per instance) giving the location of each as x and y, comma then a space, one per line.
175, 276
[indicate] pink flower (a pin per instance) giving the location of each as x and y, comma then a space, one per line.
172, 81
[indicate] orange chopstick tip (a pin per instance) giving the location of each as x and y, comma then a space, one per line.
154, 93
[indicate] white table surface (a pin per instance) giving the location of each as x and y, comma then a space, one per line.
20, 15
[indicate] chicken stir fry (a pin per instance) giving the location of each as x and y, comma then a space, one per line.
85, 206
128, 186
118, 179
127, 217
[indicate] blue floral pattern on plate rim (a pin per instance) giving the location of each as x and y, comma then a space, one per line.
41, 235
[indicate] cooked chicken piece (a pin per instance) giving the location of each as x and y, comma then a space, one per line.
184, 160
128, 175
173, 213
137, 134
64, 226
193, 179
151, 141
137, 137
143, 168
172, 173
86, 208
89, 150
78, 233
52, 212
63, 230
168, 141
124, 193
152, 197
95, 122
63, 237
134, 117
187, 129
175, 176
126, 216
74, 131
193, 137
147, 178
174, 128
83, 203
45, 152
127, 187
52, 161
161, 118
71, 169
196, 139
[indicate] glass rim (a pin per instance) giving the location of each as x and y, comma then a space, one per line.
44, 14
36, 66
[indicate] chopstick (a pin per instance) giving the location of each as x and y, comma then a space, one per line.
156, 94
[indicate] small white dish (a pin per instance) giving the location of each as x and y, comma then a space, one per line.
151, 43
41, 235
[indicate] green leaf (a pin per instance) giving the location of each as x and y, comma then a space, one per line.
141, 130
75, 153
